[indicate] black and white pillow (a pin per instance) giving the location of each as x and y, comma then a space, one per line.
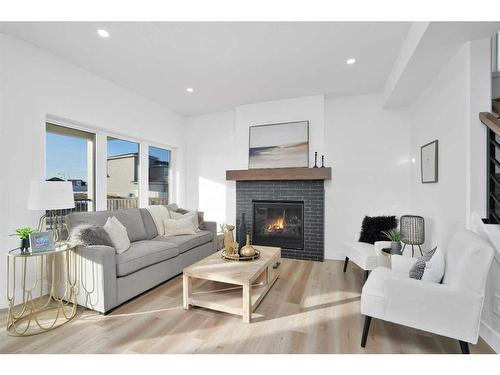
429, 266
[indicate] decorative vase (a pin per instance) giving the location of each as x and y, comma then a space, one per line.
242, 230
25, 244
322, 161
247, 250
315, 160
396, 247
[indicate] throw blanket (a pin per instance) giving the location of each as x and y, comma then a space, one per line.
158, 213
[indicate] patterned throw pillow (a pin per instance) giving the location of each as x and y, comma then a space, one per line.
428, 267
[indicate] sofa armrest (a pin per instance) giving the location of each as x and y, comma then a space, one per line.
211, 226
401, 263
97, 289
433, 307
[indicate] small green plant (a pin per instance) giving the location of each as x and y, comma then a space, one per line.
23, 233
392, 234
222, 228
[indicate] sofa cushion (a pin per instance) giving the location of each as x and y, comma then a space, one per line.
149, 224
143, 254
361, 253
130, 218
187, 241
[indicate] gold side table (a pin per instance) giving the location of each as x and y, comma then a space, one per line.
47, 290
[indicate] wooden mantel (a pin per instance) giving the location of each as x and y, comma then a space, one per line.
490, 121
273, 174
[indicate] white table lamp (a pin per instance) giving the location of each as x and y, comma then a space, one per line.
50, 196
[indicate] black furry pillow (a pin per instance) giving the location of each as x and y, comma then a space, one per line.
372, 227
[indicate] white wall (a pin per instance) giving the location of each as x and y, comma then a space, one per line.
448, 111
442, 113
368, 148
210, 144
218, 142
310, 108
35, 84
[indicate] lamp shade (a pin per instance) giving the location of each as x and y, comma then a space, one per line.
50, 195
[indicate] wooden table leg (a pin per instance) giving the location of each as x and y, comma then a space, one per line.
186, 291
247, 303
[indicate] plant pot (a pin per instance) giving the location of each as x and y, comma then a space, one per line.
25, 244
396, 247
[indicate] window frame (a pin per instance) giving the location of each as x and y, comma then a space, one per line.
94, 155
170, 173
100, 160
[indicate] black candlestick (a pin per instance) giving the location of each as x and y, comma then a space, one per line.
322, 161
315, 160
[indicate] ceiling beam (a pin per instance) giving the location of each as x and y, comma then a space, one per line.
428, 48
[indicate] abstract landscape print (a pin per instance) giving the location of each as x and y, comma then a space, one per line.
284, 145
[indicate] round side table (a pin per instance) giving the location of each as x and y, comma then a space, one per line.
47, 290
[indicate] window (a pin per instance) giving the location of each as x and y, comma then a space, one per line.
493, 140
495, 55
70, 156
159, 163
122, 174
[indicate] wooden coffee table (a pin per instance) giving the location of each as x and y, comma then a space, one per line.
232, 287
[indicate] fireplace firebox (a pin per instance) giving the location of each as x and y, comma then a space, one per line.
278, 223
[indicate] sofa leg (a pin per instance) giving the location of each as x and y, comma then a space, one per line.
346, 261
464, 346
368, 320
365, 276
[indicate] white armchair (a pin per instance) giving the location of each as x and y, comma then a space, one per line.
451, 309
365, 255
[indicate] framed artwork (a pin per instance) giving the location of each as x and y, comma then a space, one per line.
42, 241
429, 162
284, 145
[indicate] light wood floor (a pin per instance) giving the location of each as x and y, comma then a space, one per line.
312, 308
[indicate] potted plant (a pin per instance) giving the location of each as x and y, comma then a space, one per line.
24, 236
395, 237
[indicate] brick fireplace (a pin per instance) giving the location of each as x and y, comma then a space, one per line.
285, 213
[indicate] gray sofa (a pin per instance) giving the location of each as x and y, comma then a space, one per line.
106, 279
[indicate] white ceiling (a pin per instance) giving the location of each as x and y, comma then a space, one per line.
227, 64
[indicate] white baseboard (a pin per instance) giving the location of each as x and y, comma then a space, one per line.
335, 256
489, 335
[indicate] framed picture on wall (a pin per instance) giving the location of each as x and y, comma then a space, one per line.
284, 145
429, 162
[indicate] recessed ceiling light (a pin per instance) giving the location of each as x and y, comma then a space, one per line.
190, 89
351, 61
103, 33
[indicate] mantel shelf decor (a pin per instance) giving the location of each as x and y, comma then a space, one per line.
279, 174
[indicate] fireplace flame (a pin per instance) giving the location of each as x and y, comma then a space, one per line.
278, 224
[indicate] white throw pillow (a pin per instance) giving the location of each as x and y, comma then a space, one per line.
434, 268
191, 214
176, 227
118, 234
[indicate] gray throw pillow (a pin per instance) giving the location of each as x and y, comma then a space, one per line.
418, 269
89, 235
